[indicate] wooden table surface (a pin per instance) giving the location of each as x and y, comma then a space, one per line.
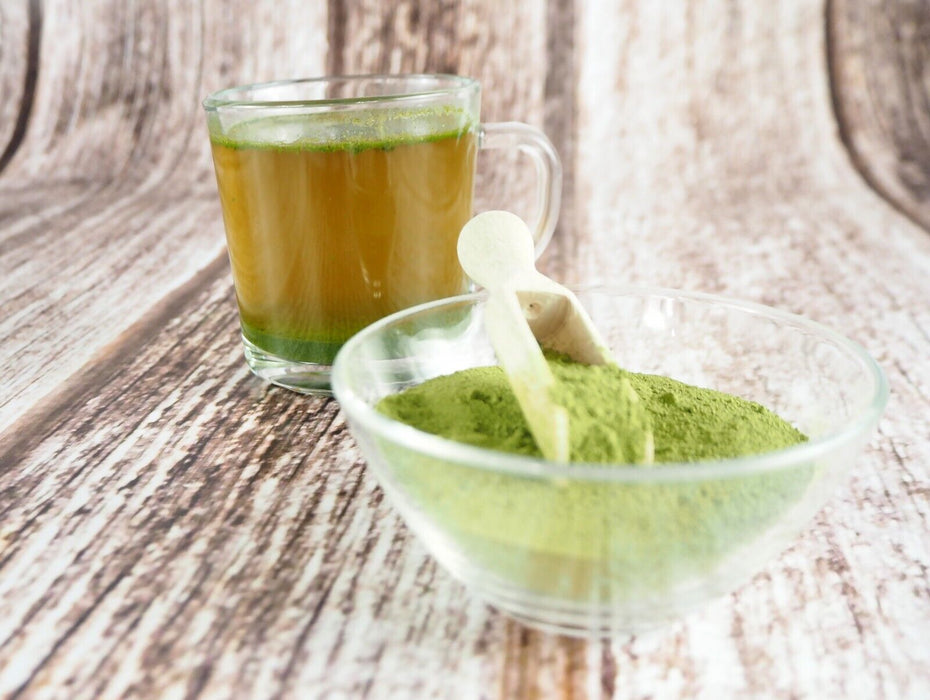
171, 527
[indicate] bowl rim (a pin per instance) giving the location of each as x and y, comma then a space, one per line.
360, 412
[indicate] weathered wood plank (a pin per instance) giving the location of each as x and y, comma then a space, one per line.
879, 58
20, 28
293, 525
112, 188
730, 178
248, 557
560, 102
266, 536
120, 254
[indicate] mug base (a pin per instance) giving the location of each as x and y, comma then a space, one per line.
302, 377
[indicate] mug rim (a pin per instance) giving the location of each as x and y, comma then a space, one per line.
447, 84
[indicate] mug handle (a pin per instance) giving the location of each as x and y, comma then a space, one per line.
534, 143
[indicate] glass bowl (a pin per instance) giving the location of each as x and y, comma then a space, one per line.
595, 550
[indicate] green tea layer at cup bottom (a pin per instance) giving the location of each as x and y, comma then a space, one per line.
320, 350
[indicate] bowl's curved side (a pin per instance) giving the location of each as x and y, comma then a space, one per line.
579, 547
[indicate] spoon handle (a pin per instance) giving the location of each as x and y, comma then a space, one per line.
528, 373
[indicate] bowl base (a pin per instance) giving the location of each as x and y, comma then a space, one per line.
578, 619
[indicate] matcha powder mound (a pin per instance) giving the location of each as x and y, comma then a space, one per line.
477, 407
607, 421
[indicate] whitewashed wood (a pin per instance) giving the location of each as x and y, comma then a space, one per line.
171, 527
18, 34
111, 198
886, 127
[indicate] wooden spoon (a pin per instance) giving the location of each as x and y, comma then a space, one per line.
526, 309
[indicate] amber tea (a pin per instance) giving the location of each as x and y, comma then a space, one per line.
335, 221
343, 198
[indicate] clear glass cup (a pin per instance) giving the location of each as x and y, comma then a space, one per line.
343, 198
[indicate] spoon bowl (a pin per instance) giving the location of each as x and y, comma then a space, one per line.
525, 312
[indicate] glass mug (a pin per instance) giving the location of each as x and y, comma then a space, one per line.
343, 198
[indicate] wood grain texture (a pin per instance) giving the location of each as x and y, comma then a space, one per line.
170, 527
113, 188
879, 56
20, 30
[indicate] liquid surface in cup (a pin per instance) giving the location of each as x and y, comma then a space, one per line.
335, 221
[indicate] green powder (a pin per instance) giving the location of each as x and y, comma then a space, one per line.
604, 540
689, 423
